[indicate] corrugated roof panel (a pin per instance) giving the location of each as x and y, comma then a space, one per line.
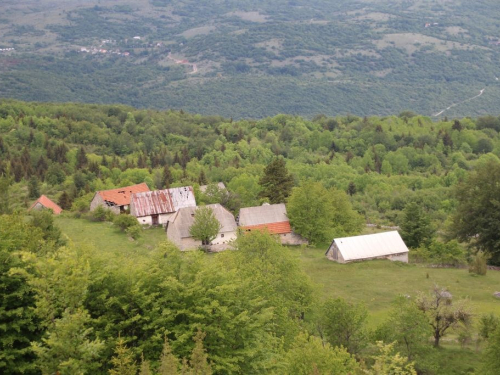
163, 201
371, 245
265, 214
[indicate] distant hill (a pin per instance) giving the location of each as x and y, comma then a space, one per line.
242, 58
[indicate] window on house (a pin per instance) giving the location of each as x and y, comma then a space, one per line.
222, 235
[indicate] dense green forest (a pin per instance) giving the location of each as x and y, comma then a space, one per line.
252, 59
75, 308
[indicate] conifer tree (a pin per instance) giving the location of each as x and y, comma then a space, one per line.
169, 364
145, 368
64, 201
81, 158
199, 358
123, 362
276, 183
33, 188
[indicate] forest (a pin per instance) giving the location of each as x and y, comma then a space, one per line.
74, 307
256, 59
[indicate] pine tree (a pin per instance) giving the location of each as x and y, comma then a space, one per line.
145, 368
166, 177
199, 358
123, 363
202, 179
81, 158
169, 364
276, 183
64, 201
33, 188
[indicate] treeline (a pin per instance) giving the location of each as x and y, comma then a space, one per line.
383, 163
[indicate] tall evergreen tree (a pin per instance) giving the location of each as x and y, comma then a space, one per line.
81, 158
33, 188
276, 183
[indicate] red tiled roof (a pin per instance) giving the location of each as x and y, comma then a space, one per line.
47, 203
273, 228
121, 196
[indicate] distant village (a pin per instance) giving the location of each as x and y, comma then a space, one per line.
105, 47
174, 209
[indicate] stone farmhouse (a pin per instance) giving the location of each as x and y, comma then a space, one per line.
44, 203
158, 207
270, 217
178, 228
387, 245
117, 200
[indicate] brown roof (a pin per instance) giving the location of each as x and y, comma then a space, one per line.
161, 201
273, 228
121, 196
47, 203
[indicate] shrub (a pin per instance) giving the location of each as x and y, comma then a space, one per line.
479, 263
134, 231
125, 221
99, 214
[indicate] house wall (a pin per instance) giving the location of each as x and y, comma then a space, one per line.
163, 219
98, 201
292, 239
224, 238
333, 253
399, 257
38, 206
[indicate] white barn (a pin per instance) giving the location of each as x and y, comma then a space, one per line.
157, 207
387, 245
178, 228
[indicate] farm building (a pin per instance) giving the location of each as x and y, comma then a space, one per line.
179, 225
157, 207
116, 200
387, 245
44, 203
270, 217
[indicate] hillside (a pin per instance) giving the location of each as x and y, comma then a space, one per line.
256, 59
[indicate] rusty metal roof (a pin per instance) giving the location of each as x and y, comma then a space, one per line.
162, 201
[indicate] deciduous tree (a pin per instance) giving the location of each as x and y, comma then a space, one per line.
205, 226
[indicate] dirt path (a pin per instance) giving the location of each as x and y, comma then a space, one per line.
184, 62
462, 102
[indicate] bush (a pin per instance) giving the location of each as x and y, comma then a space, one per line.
479, 263
134, 231
99, 214
125, 221
439, 253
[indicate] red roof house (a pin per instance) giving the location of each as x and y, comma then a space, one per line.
117, 200
272, 218
45, 203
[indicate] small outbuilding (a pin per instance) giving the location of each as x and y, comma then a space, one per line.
272, 218
44, 203
117, 200
157, 207
386, 245
178, 228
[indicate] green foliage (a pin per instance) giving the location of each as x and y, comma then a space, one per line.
319, 214
33, 188
123, 363
4, 195
44, 220
100, 214
310, 355
134, 231
125, 221
276, 182
18, 324
440, 253
488, 323
416, 228
491, 361
477, 217
409, 331
205, 225
68, 346
478, 264
389, 363
343, 324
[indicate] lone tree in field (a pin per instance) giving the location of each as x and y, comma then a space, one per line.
416, 228
442, 313
276, 183
477, 218
206, 226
